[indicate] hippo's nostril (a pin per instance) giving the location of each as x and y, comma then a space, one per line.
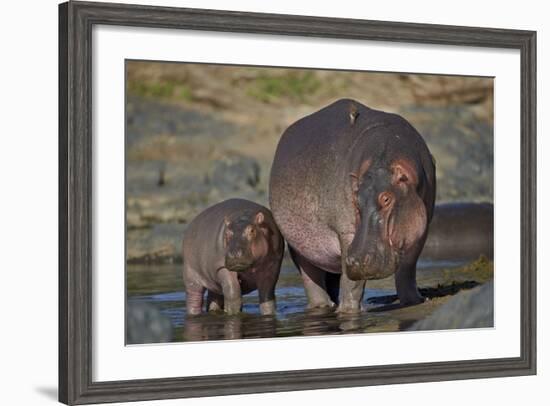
352, 262
236, 254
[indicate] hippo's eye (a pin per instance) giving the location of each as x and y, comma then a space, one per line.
384, 199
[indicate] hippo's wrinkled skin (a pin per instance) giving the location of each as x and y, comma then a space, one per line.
230, 249
352, 190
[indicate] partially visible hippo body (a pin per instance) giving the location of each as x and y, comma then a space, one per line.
230, 249
461, 231
352, 190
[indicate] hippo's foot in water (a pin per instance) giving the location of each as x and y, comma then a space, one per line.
405, 285
233, 307
194, 300
349, 308
412, 300
214, 302
231, 291
351, 295
267, 308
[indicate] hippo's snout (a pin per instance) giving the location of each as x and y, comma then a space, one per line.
371, 266
237, 261
238, 254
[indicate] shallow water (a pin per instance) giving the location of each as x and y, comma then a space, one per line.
158, 290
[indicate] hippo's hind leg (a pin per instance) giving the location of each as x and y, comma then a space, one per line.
194, 292
266, 287
314, 282
332, 283
214, 301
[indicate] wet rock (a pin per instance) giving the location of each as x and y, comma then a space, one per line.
235, 173
147, 117
462, 146
146, 324
467, 309
158, 244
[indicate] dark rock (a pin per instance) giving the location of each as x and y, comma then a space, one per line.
145, 118
235, 173
467, 309
462, 145
159, 244
146, 324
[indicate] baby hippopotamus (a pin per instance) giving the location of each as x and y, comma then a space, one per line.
352, 190
230, 249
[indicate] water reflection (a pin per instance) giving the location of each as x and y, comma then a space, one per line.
158, 307
212, 326
221, 327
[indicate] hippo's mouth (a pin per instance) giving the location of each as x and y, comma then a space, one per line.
237, 265
376, 266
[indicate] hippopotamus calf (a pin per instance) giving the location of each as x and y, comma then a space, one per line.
230, 249
352, 190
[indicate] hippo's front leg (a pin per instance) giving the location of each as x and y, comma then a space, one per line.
231, 291
267, 301
351, 292
266, 287
405, 284
214, 302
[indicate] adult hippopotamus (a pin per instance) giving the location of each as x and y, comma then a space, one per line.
230, 249
352, 190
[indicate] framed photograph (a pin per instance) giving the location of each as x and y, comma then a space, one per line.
259, 203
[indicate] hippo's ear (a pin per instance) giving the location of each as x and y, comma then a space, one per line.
404, 172
259, 218
354, 182
356, 176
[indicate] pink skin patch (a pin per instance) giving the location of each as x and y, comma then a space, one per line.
410, 222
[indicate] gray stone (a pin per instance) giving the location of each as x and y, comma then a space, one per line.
158, 244
146, 324
235, 173
470, 309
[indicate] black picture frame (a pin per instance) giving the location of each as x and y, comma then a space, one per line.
76, 20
